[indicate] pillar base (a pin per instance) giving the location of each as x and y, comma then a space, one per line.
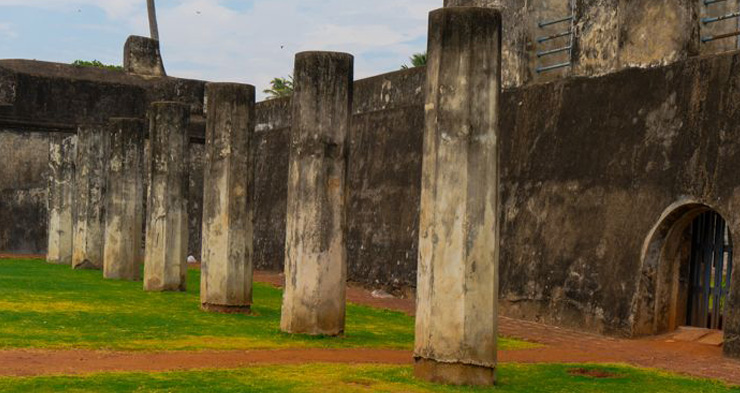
313, 332
155, 286
87, 265
731, 346
215, 308
120, 277
458, 374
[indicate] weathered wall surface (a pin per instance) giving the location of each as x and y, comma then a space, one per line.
37, 98
587, 180
584, 182
23, 185
384, 179
272, 149
195, 198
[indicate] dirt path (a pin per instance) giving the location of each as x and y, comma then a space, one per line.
40, 362
562, 346
698, 361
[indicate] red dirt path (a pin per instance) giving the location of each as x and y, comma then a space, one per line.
562, 346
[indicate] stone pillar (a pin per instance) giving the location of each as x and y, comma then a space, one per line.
141, 56
516, 41
61, 188
124, 200
226, 275
89, 191
457, 304
315, 246
167, 206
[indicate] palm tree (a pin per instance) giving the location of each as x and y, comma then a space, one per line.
153, 28
281, 87
417, 60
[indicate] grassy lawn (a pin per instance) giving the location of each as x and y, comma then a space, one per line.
345, 378
54, 307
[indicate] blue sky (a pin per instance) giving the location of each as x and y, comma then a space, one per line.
249, 41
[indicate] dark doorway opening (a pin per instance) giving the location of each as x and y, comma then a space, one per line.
710, 271
687, 264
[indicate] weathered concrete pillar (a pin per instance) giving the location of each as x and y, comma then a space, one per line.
226, 275
457, 306
315, 246
90, 183
167, 207
141, 56
124, 216
61, 189
516, 38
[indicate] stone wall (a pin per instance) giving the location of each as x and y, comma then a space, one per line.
23, 191
610, 35
39, 98
591, 165
384, 179
272, 144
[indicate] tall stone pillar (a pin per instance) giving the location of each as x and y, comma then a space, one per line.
516, 55
456, 320
124, 216
90, 183
315, 247
167, 207
226, 275
61, 188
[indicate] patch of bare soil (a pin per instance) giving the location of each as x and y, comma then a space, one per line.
598, 374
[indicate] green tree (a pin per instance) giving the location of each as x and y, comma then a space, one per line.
96, 64
417, 60
280, 87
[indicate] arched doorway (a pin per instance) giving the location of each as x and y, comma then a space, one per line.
686, 271
710, 271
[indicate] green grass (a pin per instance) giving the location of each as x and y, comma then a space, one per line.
345, 378
55, 307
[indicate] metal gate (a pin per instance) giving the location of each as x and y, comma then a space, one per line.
710, 271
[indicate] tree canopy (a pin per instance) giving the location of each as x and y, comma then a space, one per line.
280, 87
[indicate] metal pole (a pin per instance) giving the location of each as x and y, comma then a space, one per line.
153, 28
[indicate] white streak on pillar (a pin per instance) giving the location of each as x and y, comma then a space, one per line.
124, 217
227, 269
456, 320
89, 197
167, 207
315, 247
62, 150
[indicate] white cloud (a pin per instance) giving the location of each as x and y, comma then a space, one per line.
7, 31
113, 8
